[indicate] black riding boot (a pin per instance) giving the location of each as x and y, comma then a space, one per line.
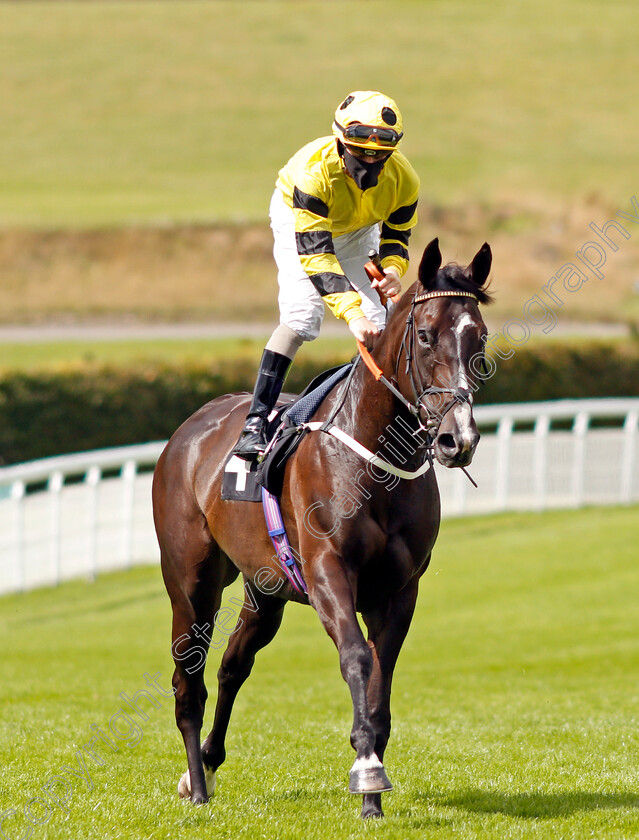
270, 378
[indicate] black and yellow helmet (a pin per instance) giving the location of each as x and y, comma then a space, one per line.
369, 120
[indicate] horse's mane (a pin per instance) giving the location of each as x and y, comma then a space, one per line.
452, 277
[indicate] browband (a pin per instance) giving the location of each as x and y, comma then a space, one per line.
447, 293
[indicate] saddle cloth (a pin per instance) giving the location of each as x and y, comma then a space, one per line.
243, 480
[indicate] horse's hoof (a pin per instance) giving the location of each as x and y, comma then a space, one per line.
372, 813
184, 785
371, 810
367, 775
372, 806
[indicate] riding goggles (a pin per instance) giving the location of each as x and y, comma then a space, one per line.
357, 133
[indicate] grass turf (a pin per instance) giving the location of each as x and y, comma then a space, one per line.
66, 355
143, 137
515, 702
127, 112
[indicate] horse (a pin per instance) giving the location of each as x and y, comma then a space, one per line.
363, 535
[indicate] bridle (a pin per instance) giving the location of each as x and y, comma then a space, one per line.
434, 420
457, 395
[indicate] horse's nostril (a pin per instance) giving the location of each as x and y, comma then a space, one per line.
447, 441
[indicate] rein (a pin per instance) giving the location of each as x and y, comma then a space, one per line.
378, 373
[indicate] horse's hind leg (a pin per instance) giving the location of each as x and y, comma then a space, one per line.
195, 581
258, 622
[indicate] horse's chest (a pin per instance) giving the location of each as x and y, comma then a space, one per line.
388, 571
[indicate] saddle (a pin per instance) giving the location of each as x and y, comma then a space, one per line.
243, 480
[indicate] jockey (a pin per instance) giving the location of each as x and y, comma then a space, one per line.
329, 201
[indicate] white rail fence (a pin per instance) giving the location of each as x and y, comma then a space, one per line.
83, 514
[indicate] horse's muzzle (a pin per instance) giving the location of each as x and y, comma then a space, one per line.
454, 449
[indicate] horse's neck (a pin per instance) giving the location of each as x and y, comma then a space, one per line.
368, 407
376, 419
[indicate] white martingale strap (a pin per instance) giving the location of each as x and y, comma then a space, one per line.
365, 453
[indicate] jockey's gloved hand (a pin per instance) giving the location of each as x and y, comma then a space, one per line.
391, 284
364, 331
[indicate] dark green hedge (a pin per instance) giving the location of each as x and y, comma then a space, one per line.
560, 371
43, 414
46, 413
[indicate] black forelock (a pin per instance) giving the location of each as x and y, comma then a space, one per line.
452, 277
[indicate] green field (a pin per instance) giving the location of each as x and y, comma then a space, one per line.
140, 142
69, 355
515, 702
66, 356
125, 112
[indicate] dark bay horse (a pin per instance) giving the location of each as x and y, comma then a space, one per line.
363, 535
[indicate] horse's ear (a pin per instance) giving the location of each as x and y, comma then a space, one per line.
479, 269
431, 260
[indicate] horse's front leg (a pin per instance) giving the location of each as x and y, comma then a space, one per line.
387, 629
331, 594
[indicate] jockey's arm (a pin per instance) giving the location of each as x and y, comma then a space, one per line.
316, 251
393, 247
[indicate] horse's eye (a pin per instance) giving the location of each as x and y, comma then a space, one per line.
426, 338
